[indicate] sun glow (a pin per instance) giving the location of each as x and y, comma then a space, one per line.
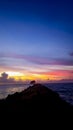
13, 74
53, 75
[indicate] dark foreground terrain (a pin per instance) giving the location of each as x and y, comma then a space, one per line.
37, 105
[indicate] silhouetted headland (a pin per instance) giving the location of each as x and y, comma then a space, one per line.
37, 102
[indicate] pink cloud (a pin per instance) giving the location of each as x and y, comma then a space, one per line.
56, 72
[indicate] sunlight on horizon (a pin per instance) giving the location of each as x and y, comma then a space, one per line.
11, 73
53, 76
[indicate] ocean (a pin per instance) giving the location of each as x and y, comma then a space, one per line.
65, 90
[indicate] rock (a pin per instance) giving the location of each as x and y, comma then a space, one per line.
35, 103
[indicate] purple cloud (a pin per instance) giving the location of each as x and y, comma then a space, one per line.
4, 76
71, 54
67, 62
40, 60
5, 79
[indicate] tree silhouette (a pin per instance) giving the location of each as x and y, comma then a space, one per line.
32, 82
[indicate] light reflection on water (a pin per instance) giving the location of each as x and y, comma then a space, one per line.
10, 89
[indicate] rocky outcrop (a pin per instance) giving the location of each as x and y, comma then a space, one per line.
35, 103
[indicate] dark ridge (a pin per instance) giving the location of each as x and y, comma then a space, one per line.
35, 104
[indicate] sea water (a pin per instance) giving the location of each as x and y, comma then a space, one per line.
65, 90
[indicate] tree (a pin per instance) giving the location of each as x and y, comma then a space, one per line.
32, 82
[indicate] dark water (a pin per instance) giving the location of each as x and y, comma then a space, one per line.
65, 90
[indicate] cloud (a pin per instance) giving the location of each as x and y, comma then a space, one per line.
71, 54
4, 76
40, 60
66, 81
56, 73
67, 62
5, 79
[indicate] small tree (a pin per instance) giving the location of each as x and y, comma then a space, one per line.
32, 82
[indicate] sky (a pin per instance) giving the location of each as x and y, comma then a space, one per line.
36, 39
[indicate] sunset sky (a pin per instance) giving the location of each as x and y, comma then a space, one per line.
36, 39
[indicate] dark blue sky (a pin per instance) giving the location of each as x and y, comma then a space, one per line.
36, 29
